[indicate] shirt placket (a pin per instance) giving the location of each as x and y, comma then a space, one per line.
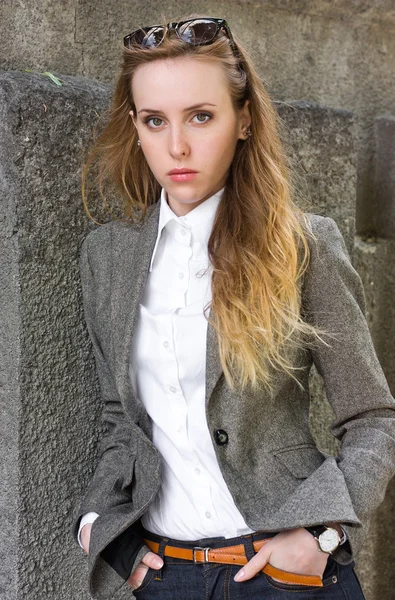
180, 259
202, 480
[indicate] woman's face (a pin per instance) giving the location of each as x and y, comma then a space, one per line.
185, 120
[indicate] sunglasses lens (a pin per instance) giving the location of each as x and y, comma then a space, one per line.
146, 36
197, 32
154, 37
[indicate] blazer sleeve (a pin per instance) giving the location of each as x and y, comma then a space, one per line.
111, 476
356, 387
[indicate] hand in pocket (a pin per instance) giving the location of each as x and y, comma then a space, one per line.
294, 551
150, 560
86, 536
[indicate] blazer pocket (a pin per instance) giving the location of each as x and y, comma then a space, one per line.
301, 460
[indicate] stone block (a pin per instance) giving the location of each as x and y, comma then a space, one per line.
375, 262
384, 176
49, 397
320, 142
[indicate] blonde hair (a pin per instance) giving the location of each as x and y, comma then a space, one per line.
258, 244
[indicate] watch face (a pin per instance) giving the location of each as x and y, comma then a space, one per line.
329, 540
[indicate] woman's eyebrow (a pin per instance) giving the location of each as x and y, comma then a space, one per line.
154, 110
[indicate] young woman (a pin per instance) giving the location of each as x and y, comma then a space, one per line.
207, 305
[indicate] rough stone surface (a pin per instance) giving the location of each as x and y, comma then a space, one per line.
49, 403
384, 130
9, 358
336, 53
49, 392
320, 143
375, 262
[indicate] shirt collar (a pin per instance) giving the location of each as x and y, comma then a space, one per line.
199, 220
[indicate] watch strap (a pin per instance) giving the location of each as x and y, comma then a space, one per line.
316, 530
343, 538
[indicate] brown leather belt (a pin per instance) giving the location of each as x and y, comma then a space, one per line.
234, 555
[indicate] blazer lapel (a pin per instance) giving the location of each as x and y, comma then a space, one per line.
213, 364
132, 251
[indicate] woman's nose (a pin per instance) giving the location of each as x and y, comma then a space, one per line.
178, 144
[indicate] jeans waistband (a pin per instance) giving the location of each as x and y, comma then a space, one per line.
215, 542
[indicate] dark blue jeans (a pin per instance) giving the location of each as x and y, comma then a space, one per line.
180, 579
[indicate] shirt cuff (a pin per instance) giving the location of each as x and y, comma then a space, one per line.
89, 517
343, 539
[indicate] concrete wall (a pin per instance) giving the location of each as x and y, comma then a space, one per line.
375, 261
332, 52
49, 421
9, 357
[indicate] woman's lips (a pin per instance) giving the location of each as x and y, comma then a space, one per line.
183, 176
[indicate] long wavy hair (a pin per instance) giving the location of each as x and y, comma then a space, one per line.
258, 246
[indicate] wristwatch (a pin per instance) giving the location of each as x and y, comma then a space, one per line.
327, 538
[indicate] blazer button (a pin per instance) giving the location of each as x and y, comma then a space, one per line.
221, 437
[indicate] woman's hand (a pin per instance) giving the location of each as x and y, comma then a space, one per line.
86, 536
149, 560
295, 551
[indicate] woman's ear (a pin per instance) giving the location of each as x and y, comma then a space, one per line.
244, 120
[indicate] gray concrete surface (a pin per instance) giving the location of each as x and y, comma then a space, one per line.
375, 262
50, 404
49, 409
9, 357
320, 144
384, 175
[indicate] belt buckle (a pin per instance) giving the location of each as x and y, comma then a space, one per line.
205, 550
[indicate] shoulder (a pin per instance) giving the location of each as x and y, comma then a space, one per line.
99, 243
330, 272
114, 233
97, 248
320, 225
101, 237
324, 235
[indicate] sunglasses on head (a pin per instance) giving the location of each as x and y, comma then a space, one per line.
197, 32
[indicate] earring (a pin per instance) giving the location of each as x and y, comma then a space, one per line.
138, 143
248, 132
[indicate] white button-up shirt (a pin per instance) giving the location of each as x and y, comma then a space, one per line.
167, 371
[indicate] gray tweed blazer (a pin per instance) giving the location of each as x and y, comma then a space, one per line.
275, 473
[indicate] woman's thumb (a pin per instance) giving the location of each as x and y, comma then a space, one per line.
153, 560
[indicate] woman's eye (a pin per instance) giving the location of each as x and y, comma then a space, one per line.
156, 122
202, 117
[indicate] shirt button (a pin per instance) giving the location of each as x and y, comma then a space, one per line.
172, 388
221, 437
208, 514
197, 471
181, 275
166, 344
183, 232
